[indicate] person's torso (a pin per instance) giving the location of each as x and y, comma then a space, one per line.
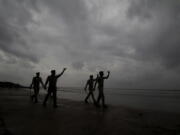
52, 81
91, 84
100, 82
36, 82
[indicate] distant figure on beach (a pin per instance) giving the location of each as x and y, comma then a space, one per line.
36, 86
90, 85
52, 88
100, 81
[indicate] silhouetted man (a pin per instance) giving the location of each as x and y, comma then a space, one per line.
51, 81
36, 86
100, 81
90, 85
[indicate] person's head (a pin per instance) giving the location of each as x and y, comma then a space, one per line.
37, 74
101, 73
53, 72
91, 76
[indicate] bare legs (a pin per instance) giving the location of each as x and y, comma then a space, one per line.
101, 97
92, 95
35, 96
54, 98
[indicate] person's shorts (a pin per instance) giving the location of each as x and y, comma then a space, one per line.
52, 89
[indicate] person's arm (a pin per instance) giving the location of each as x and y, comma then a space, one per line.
42, 83
96, 80
61, 73
32, 83
95, 85
107, 75
86, 85
47, 80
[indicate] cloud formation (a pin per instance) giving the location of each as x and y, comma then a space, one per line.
138, 40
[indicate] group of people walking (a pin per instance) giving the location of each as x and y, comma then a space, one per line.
51, 82
91, 84
52, 88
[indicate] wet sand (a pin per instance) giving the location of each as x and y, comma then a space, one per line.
19, 116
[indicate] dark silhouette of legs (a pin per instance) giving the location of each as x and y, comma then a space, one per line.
46, 98
86, 99
36, 92
35, 95
101, 97
103, 101
54, 99
32, 97
98, 99
92, 95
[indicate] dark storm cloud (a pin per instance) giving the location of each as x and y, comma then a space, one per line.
14, 16
155, 39
75, 16
138, 40
155, 36
70, 10
165, 46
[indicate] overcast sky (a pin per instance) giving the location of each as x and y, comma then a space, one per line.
137, 40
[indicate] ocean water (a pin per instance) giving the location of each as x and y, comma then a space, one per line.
148, 99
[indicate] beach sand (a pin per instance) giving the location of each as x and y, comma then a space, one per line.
19, 116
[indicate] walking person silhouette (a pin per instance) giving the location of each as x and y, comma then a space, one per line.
90, 85
52, 88
36, 86
100, 80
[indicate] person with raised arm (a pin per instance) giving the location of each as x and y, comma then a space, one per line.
100, 81
51, 81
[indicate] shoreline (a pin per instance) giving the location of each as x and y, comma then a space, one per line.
19, 116
159, 103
